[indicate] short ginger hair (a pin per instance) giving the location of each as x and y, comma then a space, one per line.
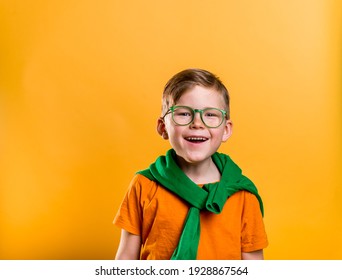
186, 80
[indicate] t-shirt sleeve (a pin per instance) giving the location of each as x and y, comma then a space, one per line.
253, 234
129, 215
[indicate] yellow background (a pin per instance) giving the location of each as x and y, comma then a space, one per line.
80, 92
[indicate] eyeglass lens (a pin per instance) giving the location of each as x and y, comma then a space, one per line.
211, 117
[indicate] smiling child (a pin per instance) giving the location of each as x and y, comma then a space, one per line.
193, 202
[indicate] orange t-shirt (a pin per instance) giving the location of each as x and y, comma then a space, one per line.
157, 215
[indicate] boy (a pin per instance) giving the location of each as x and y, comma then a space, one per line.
192, 203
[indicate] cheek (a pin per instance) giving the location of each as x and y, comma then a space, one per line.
168, 125
174, 132
171, 128
218, 136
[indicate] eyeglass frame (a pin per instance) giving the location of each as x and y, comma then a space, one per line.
200, 111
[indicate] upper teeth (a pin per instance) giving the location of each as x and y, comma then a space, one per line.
196, 138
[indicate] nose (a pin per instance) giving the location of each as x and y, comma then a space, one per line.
197, 121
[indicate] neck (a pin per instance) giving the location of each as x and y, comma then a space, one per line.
200, 173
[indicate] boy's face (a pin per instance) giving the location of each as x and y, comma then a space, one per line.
195, 142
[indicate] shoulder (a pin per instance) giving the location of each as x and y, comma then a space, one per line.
244, 195
142, 186
141, 181
247, 200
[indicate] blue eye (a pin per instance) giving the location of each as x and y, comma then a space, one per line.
183, 112
212, 113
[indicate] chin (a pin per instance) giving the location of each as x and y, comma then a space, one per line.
194, 158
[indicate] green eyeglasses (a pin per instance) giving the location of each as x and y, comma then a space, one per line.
184, 115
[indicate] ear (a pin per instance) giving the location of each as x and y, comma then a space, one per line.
228, 130
162, 129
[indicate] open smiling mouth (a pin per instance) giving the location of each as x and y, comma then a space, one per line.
196, 139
